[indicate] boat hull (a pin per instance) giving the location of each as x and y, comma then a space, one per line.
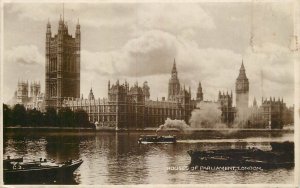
149, 139
44, 174
275, 158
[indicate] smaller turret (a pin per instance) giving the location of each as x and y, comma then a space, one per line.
146, 90
199, 95
91, 95
254, 102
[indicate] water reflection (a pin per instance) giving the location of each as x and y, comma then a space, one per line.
117, 158
62, 148
125, 156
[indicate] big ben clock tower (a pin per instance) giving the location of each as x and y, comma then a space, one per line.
242, 89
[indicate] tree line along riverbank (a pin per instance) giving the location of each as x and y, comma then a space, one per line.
19, 116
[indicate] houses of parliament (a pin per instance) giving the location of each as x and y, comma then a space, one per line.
130, 107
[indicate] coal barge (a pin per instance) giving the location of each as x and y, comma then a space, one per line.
280, 156
17, 171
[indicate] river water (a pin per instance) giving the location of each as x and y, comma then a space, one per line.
117, 158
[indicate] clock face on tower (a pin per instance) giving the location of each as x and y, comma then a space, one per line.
239, 86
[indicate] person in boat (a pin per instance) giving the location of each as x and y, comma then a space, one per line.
17, 166
68, 162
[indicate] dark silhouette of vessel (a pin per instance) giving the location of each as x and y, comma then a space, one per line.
17, 171
145, 139
280, 156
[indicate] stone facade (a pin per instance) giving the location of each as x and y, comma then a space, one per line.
174, 84
242, 89
131, 108
273, 111
62, 65
228, 111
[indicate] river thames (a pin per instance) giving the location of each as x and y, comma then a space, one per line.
117, 158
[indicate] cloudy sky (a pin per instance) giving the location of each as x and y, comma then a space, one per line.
139, 42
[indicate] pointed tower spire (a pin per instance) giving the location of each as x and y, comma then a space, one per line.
63, 12
48, 27
91, 95
77, 25
242, 66
199, 95
254, 102
174, 70
242, 73
174, 84
48, 23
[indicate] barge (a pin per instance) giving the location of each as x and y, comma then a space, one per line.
17, 171
280, 156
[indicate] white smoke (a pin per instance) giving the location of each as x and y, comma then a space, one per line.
246, 116
174, 124
207, 115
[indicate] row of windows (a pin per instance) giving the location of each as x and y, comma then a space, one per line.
92, 109
53, 64
69, 65
164, 111
151, 121
134, 109
53, 90
112, 118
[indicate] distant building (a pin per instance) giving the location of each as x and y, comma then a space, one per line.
31, 98
22, 92
228, 111
288, 116
62, 65
273, 111
146, 90
199, 95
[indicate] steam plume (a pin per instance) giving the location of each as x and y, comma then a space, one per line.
173, 124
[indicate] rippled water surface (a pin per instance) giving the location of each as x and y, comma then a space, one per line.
117, 158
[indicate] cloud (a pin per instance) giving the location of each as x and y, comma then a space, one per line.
173, 17
108, 13
162, 16
139, 42
150, 57
270, 69
21, 62
25, 55
149, 54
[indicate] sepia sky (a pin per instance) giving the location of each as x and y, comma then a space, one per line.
139, 42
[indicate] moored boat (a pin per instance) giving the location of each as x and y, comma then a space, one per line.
17, 171
8, 160
281, 156
144, 139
